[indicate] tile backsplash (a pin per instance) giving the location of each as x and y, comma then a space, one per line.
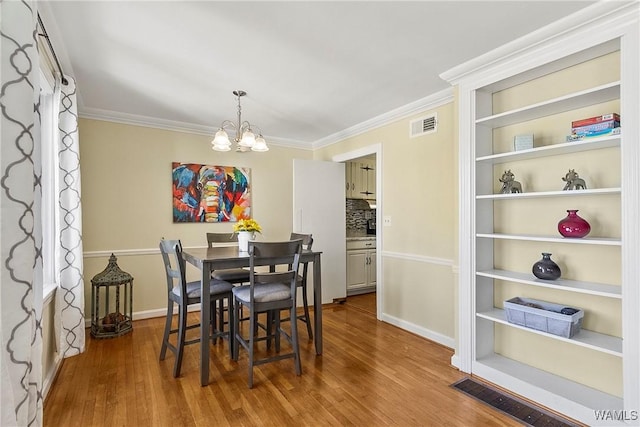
358, 213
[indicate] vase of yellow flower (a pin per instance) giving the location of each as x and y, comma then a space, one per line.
246, 230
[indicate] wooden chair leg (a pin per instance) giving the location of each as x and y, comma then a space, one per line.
213, 322
221, 317
167, 330
252, 332
236, 329
294, 342
231, 332
276, 328
307, 319
182, 326
269, 328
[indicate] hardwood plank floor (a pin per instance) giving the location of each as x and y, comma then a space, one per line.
371, 374
365, 302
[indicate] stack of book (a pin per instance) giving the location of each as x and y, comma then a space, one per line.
607, 124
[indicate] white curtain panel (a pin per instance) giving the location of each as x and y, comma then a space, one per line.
69, 312
20, 241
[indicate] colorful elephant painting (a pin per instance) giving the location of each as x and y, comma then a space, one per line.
203, 193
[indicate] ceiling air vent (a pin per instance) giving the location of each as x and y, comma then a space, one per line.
423, 126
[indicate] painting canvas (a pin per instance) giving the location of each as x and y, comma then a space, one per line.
204, 193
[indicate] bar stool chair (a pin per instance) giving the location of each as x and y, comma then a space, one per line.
183, 294
269, 292
231, 275
301, 280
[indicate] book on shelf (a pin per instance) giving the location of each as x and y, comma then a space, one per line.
595, 129
583, 136
596, 119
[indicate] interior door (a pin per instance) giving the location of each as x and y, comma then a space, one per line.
319, 209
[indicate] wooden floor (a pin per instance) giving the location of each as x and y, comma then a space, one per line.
370, 374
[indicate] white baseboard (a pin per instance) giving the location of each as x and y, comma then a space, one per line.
48, 381
149, 314
455, 361
419, 330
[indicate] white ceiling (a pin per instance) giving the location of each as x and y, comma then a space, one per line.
311, 69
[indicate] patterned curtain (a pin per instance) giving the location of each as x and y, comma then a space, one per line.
69, 313
21, 236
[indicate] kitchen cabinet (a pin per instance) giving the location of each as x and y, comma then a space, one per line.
361, 266
502, 235
360, 176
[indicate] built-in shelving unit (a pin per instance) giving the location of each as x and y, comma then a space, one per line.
604, 38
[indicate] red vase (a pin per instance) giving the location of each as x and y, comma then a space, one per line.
573, 225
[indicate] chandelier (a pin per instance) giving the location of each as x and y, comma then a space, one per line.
244, 137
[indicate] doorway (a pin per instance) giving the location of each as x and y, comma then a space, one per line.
362, 216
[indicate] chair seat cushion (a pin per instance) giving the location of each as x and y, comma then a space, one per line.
215, 287
263, 292
231, 275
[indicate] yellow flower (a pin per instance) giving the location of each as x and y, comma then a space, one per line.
247, 225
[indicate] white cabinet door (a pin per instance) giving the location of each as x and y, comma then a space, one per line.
318, 208
361, 268
357, 273
371, 268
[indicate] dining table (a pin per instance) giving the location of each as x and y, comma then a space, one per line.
221, 257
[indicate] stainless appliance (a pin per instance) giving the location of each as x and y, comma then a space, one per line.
371, 226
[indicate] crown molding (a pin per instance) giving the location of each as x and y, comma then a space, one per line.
586, 19
175, 126
432, 101
435, 100
146, 121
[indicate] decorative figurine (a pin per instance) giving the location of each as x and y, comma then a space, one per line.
509, 184
573, 181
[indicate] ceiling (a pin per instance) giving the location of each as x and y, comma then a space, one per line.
310, 69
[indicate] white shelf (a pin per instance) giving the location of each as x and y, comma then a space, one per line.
591, 288
558, 193
553, 150
585, 338
546, 388
603, 241
596, 95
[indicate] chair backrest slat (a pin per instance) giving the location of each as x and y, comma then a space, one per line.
174, 264
285, 253
221, 239
307, 243
307, 239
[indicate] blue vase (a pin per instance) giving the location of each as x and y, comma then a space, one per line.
546, 269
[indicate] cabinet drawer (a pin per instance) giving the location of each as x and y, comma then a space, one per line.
361, 244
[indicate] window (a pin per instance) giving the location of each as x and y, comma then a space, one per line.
49, 181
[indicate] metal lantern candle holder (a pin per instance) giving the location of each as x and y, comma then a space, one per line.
106, 323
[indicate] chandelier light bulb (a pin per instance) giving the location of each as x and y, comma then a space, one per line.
221, 147
221, 139
248, 139
260, 145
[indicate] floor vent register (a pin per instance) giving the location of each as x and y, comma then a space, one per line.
517, 409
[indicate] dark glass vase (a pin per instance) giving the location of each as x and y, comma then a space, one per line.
546, 269
573, 225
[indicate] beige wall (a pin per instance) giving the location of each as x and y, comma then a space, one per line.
127, 202
419, 193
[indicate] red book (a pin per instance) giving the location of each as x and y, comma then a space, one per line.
596, 119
